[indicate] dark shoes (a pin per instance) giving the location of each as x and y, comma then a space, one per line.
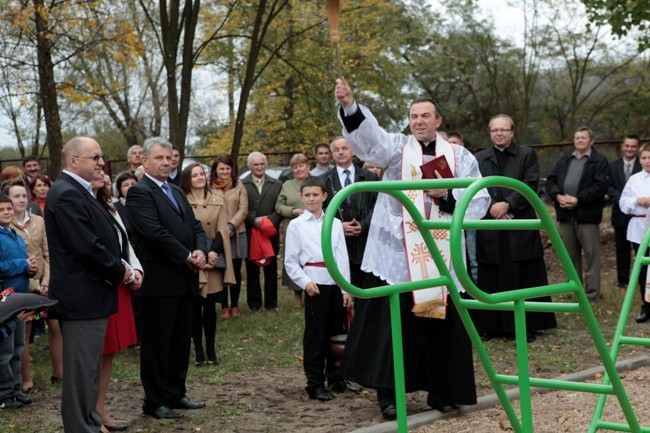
643, 317
389, 412
10, 403
343, 386
186, 403
162, 412
117, 427
441, 406
22, 399
319, 393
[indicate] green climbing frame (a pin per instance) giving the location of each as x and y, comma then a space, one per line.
514, 300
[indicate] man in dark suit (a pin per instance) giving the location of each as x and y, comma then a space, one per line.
621, 169
86, 269
263, 192
356, 211
175, 174
171, 245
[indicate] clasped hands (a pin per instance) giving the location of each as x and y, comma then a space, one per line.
566, 201
351, 228
197, 260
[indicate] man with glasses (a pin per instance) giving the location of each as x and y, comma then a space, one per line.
577, 185
509, 259
85, 270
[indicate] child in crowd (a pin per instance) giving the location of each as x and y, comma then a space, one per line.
325, 302
15, 268
635, 201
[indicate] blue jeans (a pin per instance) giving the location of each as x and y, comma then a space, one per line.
11, 350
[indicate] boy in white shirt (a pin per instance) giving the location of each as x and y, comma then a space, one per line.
635, 201
325, 302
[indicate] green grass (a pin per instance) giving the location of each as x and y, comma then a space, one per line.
263, 340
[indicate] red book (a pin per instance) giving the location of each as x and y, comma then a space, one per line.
438, 164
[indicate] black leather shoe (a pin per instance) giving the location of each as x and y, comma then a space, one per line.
320, 394
343, 386
186, 403
643, 317
442, 407
22, 399
162, 412
389, 412
117, 427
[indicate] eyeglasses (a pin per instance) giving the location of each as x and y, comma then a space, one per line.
95, 158
499, 131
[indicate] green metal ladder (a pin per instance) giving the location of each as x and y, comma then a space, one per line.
620, 338
514, 300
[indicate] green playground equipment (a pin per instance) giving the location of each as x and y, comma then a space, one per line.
514, 300
620, 338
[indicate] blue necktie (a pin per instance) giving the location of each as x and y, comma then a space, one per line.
170, 195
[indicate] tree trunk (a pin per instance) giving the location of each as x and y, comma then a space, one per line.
47, 88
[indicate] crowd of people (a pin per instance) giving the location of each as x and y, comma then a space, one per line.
145, 262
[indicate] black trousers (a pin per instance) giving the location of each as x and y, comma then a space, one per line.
254, 289
645, 306
324, 315
165, 348
623, 256
204, 318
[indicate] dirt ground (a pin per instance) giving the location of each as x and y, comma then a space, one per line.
558, 411
274, 400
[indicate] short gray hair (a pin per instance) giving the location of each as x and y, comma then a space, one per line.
152, 141
340, 137
135, 146
253, 155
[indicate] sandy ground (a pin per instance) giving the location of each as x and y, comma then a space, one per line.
273, 401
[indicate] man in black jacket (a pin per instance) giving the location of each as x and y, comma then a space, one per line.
356, 211
86, 267
621, 169
577, 185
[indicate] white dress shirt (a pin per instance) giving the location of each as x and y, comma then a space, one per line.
342, 175
303, 245
638, 185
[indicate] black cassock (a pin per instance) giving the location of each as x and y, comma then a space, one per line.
509, 260
437, 353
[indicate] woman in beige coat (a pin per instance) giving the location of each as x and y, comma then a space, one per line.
225, 184
209, 209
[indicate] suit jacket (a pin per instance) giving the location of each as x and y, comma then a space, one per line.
360, 207
263, 204
617, 174
85, 263
163, 239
